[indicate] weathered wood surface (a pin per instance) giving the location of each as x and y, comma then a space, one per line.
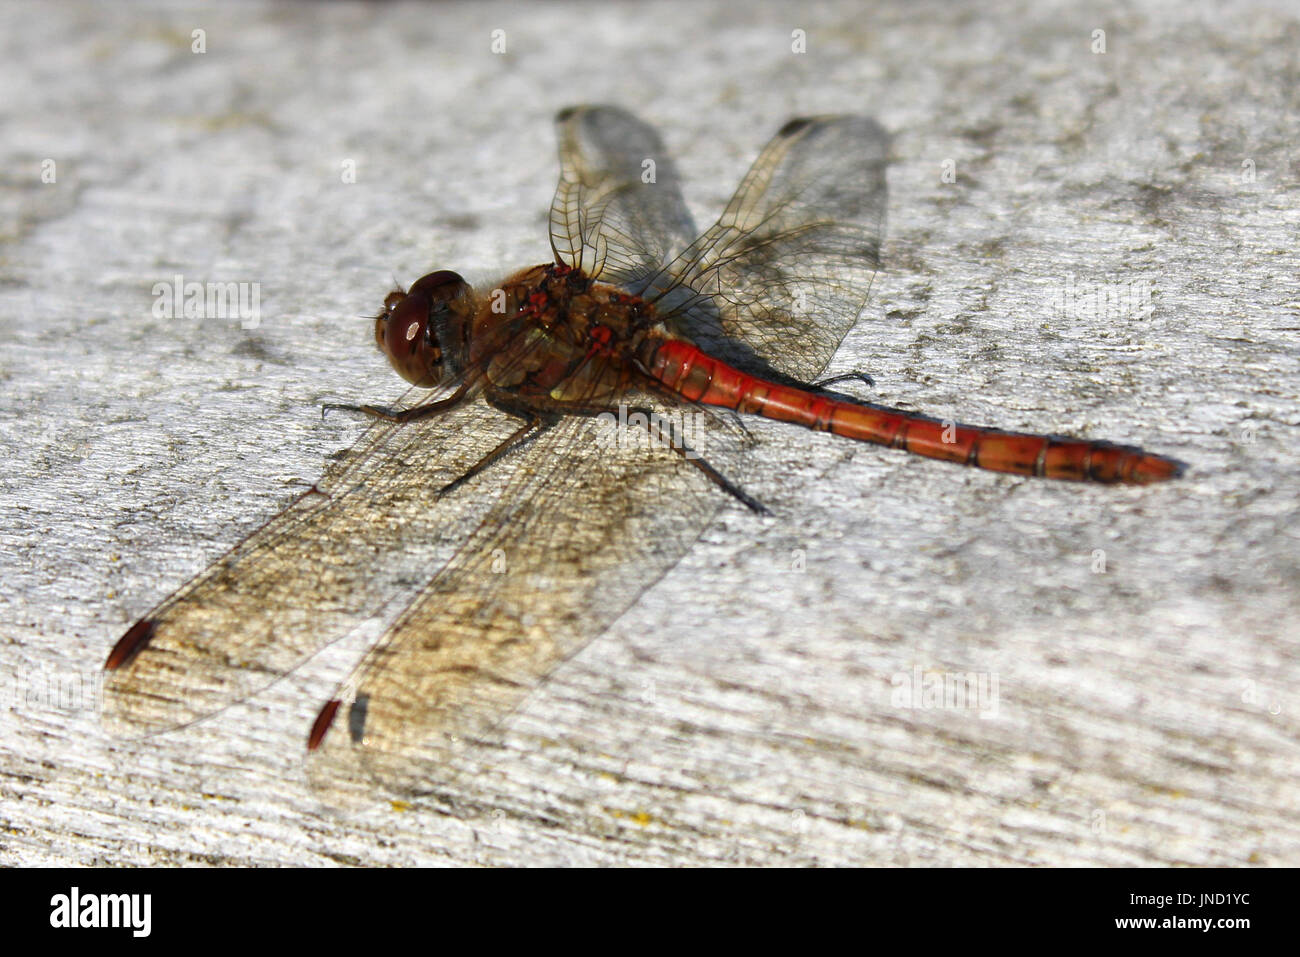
1143, 641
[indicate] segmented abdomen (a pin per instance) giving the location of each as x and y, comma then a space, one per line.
699, 377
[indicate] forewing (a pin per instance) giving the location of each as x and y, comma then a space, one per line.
337, 556
618, 211
583, 526
787, 268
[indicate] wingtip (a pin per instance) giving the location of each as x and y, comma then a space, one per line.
320, 727
131, 644
794, 126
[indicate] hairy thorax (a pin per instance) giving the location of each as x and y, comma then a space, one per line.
552, 331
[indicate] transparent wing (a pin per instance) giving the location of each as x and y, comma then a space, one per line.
582, 527
336, 557
782, 276
618, 211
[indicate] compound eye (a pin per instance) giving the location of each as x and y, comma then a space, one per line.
391, 302
404, 338
443, 285
416, 325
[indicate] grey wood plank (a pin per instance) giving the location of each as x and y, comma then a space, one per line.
747, 709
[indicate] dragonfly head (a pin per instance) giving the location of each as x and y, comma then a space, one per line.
422, 330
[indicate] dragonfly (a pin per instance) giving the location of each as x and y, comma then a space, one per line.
501, 513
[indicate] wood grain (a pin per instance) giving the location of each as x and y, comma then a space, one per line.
1114, 259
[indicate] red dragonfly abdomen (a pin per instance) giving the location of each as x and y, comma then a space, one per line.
699, 377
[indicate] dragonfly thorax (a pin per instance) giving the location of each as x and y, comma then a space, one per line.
553, 331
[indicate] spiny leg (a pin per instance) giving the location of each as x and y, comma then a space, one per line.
404, 415
534, 425
651, 421
857, 376
679, 446
539, 414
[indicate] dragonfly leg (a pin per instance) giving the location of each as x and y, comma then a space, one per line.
678, 445
534, 425
652, 422
403, 415
538, 415
716, 477
859, 376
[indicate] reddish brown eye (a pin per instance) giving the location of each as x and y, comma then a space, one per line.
404, 339
418, 325
442, 284
391, 302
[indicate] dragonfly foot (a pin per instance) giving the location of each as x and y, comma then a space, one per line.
450, 487
860, 376
378, 411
